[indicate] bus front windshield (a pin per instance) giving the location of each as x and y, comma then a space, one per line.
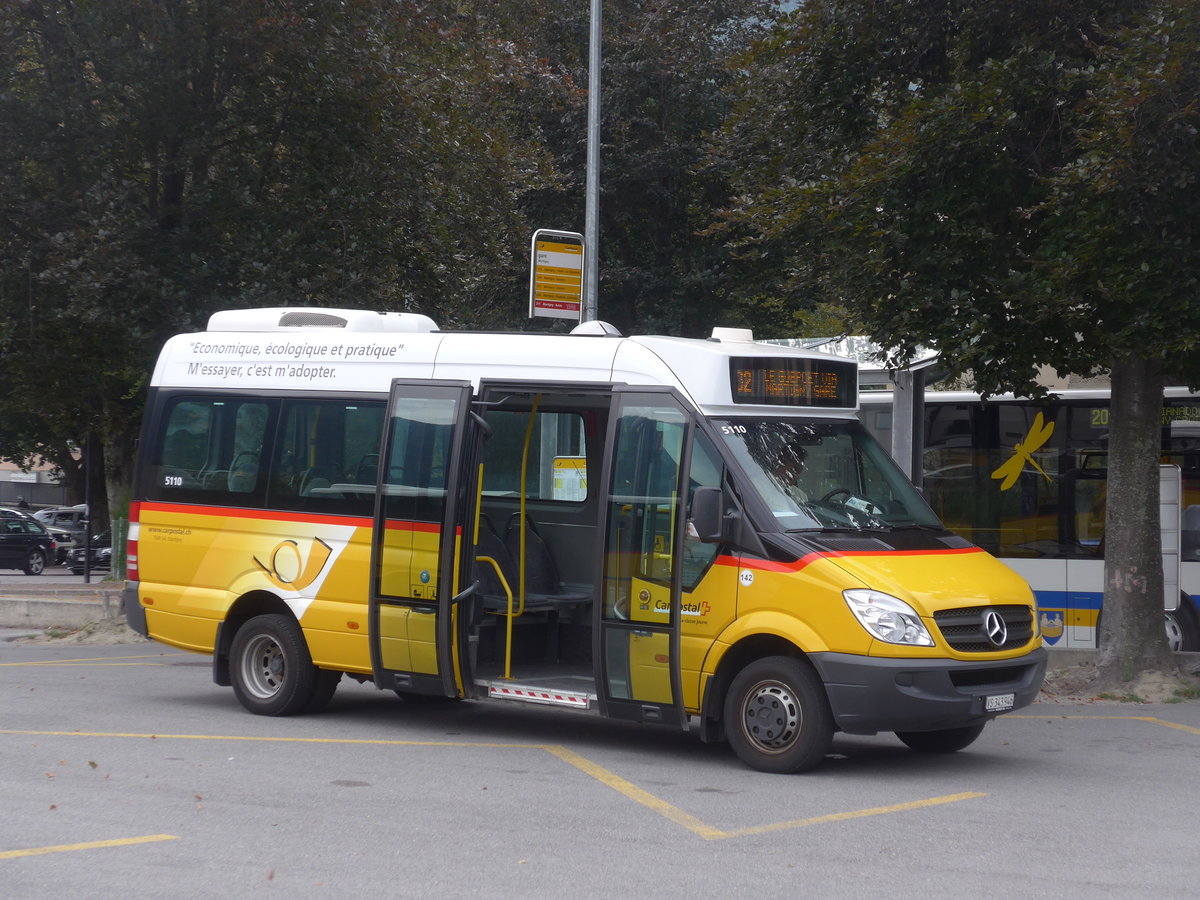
824, 475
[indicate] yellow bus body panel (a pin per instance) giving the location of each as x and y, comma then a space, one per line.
195, 562
802, 601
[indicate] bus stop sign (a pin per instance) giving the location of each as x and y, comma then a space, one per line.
556, 274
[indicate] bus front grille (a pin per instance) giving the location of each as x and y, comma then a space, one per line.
985, 629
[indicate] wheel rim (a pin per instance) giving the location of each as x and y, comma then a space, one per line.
771, 716
1174, 632
264, 669
36, 563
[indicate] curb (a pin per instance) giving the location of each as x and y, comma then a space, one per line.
60, 605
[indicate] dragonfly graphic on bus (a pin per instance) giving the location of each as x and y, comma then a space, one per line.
1039, 433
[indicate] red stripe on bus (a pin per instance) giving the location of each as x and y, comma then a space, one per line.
401, 525
237, 512
766, 565
268, 515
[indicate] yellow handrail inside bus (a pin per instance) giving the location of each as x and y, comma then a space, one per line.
509, 615
509, 594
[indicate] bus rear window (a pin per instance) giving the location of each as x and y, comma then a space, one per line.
210, 448
291, 454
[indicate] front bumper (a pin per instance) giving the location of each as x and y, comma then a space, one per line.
872, 694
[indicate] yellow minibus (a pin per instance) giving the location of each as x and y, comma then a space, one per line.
695, 533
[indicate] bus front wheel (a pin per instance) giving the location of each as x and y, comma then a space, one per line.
777, 717
272, 671
949, 740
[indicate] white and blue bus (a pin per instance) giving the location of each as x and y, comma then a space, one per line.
1027, 481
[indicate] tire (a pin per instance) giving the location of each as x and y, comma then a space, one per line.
950, 740
1183, 631
323, 690
35, 563
777, 716
271, 669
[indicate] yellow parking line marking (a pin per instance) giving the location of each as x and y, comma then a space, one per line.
610, 779
694, 825
856, 814
88, 659
98, 664
636, 794
1153, 720
270, 740
89, 845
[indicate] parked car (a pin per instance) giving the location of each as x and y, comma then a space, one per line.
68, 518
64, 542
101, 555
25, 543
68, 525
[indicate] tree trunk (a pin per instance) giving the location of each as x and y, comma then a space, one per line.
72, 474
1132, 637
119, 448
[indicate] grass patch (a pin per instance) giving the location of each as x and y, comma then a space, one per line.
1185, 695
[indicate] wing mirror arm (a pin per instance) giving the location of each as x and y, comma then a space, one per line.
717, 523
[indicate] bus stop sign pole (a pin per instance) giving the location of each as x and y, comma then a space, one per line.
591, 214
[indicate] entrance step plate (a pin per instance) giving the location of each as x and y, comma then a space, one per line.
524, 693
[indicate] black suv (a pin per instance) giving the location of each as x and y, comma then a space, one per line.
24, 543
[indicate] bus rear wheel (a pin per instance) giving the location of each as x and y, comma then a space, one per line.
272, 671
1183, 631
777, 717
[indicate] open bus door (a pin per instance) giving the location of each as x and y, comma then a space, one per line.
637, 637
417, 568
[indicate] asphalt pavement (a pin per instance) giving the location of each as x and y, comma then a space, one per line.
127, 773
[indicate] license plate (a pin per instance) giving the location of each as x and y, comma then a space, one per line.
999, 702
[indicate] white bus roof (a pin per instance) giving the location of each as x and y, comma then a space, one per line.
336, 350
933, 396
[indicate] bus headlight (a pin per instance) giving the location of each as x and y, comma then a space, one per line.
888, 618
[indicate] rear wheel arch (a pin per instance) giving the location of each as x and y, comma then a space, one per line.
245, 608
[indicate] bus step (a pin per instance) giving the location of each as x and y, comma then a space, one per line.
529, 693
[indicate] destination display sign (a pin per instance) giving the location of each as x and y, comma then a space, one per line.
792, 381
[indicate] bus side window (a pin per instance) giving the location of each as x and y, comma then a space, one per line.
185, 444
325, 456
211, 447
556, 458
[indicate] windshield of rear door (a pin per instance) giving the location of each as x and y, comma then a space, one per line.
824, 475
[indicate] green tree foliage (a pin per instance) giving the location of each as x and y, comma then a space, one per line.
161, 160
665, 79
1010, 181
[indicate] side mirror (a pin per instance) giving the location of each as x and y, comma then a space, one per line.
707, 514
